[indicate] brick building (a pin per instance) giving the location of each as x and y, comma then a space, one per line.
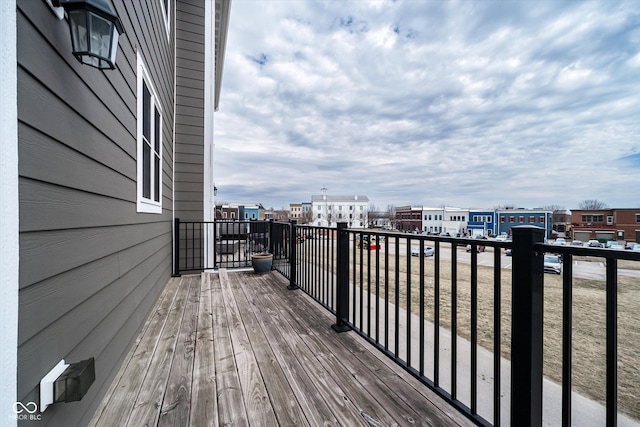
606, 224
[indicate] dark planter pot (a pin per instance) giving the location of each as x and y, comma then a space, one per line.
261, 263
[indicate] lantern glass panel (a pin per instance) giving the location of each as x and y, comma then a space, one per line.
78, 25
100, 36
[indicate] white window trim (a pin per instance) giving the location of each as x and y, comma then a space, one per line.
166, 17
145, 205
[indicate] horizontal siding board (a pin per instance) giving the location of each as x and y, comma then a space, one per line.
188, 140
190, 196
189, 130
195, 8
188, 82
187, 101
95, 117
189, 73
41, 152
193, 187
189, 61
189, 121
190, 159
187, 57
184, 110
66, 84
53, 252
190, 206
41, 303
50, 207
190, 21
65, 125
191, 45
73, 333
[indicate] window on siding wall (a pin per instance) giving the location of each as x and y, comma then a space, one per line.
149, 145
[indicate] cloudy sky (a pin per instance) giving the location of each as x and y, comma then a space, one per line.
463, 103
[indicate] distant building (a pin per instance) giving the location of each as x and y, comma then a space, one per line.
606, 224
481, 223
409, 218
379, 219
432, 219
509, 218
226, 211
455, 221
328, 210
295, 211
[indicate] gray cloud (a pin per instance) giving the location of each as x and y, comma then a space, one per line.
459, 103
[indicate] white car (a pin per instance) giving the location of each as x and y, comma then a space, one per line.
594, 244
501, 238
560, 241
428, 251
577, 243
552, 264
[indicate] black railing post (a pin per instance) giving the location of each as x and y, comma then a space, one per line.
176, 247
271, 237
526, 329
293, 247
342, 286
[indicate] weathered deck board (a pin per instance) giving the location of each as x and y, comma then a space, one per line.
282, 398
204, 404
231, 407
256, 399
176, 404
115, 408
236, 348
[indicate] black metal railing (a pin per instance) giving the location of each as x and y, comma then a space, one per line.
209, 245
444, 309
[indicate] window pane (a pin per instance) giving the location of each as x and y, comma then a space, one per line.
146, 112
146, 171
156, 133
156, 177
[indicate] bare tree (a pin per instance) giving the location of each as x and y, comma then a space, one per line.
391, 211
592, 204
554, 208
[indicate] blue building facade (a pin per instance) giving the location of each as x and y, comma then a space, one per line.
508, 218
249, 212
482, 223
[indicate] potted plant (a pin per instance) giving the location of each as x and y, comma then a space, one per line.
261, 262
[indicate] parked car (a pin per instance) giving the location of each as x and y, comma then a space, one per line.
479, 248
636, 247
509, 252
616, 247
594, 244
577, 243
560, 241
428, 251
501, 238
552, 264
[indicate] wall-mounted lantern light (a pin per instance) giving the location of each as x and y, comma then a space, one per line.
215, 190
95, 29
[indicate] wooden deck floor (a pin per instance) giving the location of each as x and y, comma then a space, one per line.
237, 348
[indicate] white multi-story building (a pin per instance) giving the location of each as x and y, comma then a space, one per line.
328, 210
432, 219
455, 220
